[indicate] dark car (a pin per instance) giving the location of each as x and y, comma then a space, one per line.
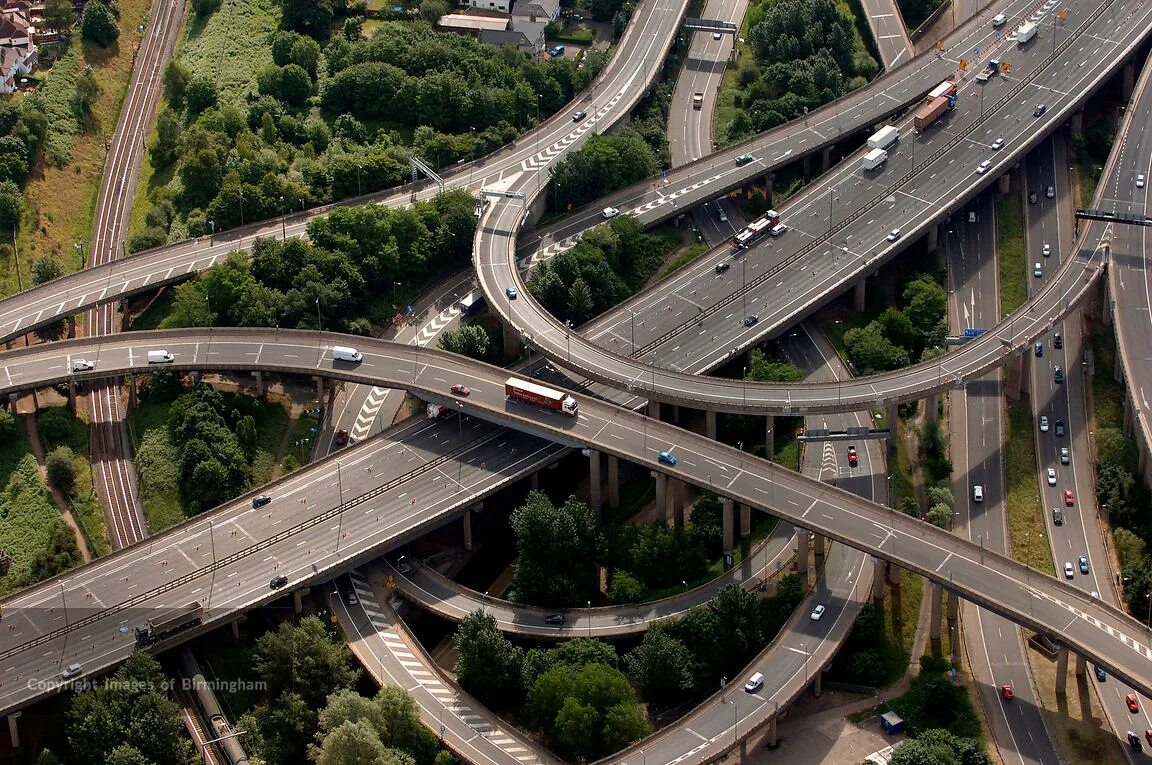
277, 582
261, 500
1134, 741
1039, 349
722, 266
751, 319
1033, 198
1057, 340
1040, 109
1058, 374
1101, 675
1060, 428
341, 437
852, 458
1083, 564
554, 619
1057, 517
578, 116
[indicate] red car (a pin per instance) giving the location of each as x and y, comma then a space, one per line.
1068, 498
460, 390
1148, 735
341, 437
1006, 692
1133, 704
852, 458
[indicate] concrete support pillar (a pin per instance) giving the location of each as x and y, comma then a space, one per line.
468, 529
1076, 123
661, 491
807, 166
819, 545
710, 424
1081, 666
319, 388
534, 481
817, 683
13, 729
613, 482
298, 600
726, 515
745, 520
512, 343
770, 739
953, 625
1129, 83
1128, 419
1061, 671
932, 408
826, 159
594, 482
858, 294
260, 387
674, 415
803, 552
879, 574
743, 749
675, 512
769, 436
131, 391
1005, 183
1141, 459
936, 592
654, 409
892, 421
933, 238
72, 395
235, 625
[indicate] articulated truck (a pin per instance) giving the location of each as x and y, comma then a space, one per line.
172, 621
540, 395
884, 137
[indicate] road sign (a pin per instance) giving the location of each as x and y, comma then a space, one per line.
963, 64
974, 332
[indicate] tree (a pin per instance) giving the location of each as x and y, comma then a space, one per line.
432, 10
870, 351
11, 204
915, 752
625, 588
765, 368
350, 743
61, 469
200, 95
303, 659
662, 666
557, 549
927, 304
45, 269
205, 8
470, 340
308, 17
59, 15
176, 79
572, 655
86, 91
127, 755
168, 130
939, 516
1113, 446
588, 713
488, 665
98, 24
1129, 547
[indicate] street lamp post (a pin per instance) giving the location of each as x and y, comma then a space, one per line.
633, 314
568, 338
589, 619
805, 649
212, 235
830, 198
283, 215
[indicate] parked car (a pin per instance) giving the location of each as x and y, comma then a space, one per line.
557, 51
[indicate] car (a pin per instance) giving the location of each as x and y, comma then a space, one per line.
80, 365
755, 683
1140, 181
1038, 270
1069, 572
817, 612
983, 167
277, 582
557, 51
1148, 735
511, 293
460, 390
1057, 517
1057, 340
1059, 428
853, 460
977, 493
893, 235
1095, 594
1101, 675
351, 598
667, 458
1133, 704
1033, 198
716, 35
744, 159
71, 671
722, 266
1069, 500
1051, 476
1065, 456
1043, 423
1046, 250
997, 144
999, 20
1050, 192
1134, 741
1058, 374
1039, 110
260, 501
1039, 349
751, 319
1083, 561
554, 619
579, 116
341, 437
971, 216
610, 212
1006, 692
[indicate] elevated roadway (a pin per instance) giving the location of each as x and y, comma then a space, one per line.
209, 557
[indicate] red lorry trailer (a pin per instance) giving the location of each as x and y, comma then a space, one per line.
932, 111
549, 398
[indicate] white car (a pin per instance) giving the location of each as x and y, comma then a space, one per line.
80, 365
1043, 423
977, 493
1140, 181
983, 167
997, 144
893, 235
999, 20
610, 212
1038, 270
817, 613
1051, 476
1069, 572
1046, 249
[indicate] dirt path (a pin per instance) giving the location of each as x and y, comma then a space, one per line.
60, 500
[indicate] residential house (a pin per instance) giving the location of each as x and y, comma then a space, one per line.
17, 51
530, 17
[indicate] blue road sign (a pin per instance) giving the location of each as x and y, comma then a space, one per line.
974, 332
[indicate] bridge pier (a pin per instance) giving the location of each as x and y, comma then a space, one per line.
72, 395
594, 482
745, 520
937, 604
298, 599
468, 530
932, 408
613, 482
260, 386
891, 420
826, 158
710, 424
859, 293
933, 238
819, 545
817, 683
675, 513
953, 627
13, 729
661, 491
1076, 123
768, 179
726, 515
1017, 378
769, 437
319, 382
770, 739
534, 481
131, 391
879, 575
803, 552
1128, 419
1129, 83
1062, 671
1081, 666
654, 409
1004, 183
235, 625
512, 343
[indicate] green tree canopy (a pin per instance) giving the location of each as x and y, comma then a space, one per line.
662, 666
98, 24
557, 551
304, 659
487, 665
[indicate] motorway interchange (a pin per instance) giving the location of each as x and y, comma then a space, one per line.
239, 352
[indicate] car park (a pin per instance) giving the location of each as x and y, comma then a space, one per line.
1083, 561
1057, 340
341, 437
1069, 499
1057, 517
1046, 250
997, 144
722, 266
1065, 456
853, 459
667, 458
1039, 110
579, 116
1039, 349
1051, 476
977, 493
999, 20
460, 390
983, 167
80, 365
1133, 704
893, 235
1069, 572
554, 619
610, 212
1059, 428
1140, 181
511, 293
751, 319
1038, 270
817, 612
277, 582
1033, 198
1050, 192
260, 500
1043, 423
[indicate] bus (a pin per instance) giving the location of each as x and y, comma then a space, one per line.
755, 230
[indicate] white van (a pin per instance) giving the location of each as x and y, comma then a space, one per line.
160, 357
755, 683
342, 353
977, 493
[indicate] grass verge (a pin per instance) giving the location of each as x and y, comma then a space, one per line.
58, 426
1013, 260
1026, 525
1107, 394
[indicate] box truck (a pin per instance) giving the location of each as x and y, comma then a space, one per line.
884, 137
1026, 32
540, 395
874, 159
931, 111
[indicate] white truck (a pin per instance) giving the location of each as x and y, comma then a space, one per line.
1026, 32
884, 137
874, 159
